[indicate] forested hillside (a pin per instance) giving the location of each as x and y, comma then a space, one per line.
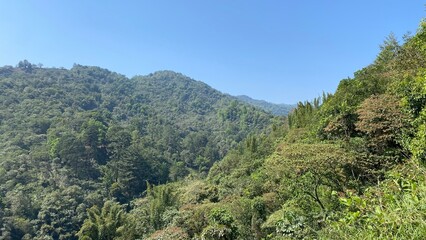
90, 154
72, 139
276, 109
348, 165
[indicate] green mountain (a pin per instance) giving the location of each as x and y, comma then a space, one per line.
71, 138
90, 154
275, 109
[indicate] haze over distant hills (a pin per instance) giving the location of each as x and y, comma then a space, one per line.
276, 109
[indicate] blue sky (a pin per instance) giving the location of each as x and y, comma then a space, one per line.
279, 51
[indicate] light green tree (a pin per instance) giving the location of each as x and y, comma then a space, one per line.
103, 224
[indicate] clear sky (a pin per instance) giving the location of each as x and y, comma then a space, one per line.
281, 51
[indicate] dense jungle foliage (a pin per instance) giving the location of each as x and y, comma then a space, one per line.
90, 154
74, 139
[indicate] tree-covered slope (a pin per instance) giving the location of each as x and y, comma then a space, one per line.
70, 139
276, 109
37, 100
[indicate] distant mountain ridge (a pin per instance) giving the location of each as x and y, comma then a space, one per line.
276, 109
